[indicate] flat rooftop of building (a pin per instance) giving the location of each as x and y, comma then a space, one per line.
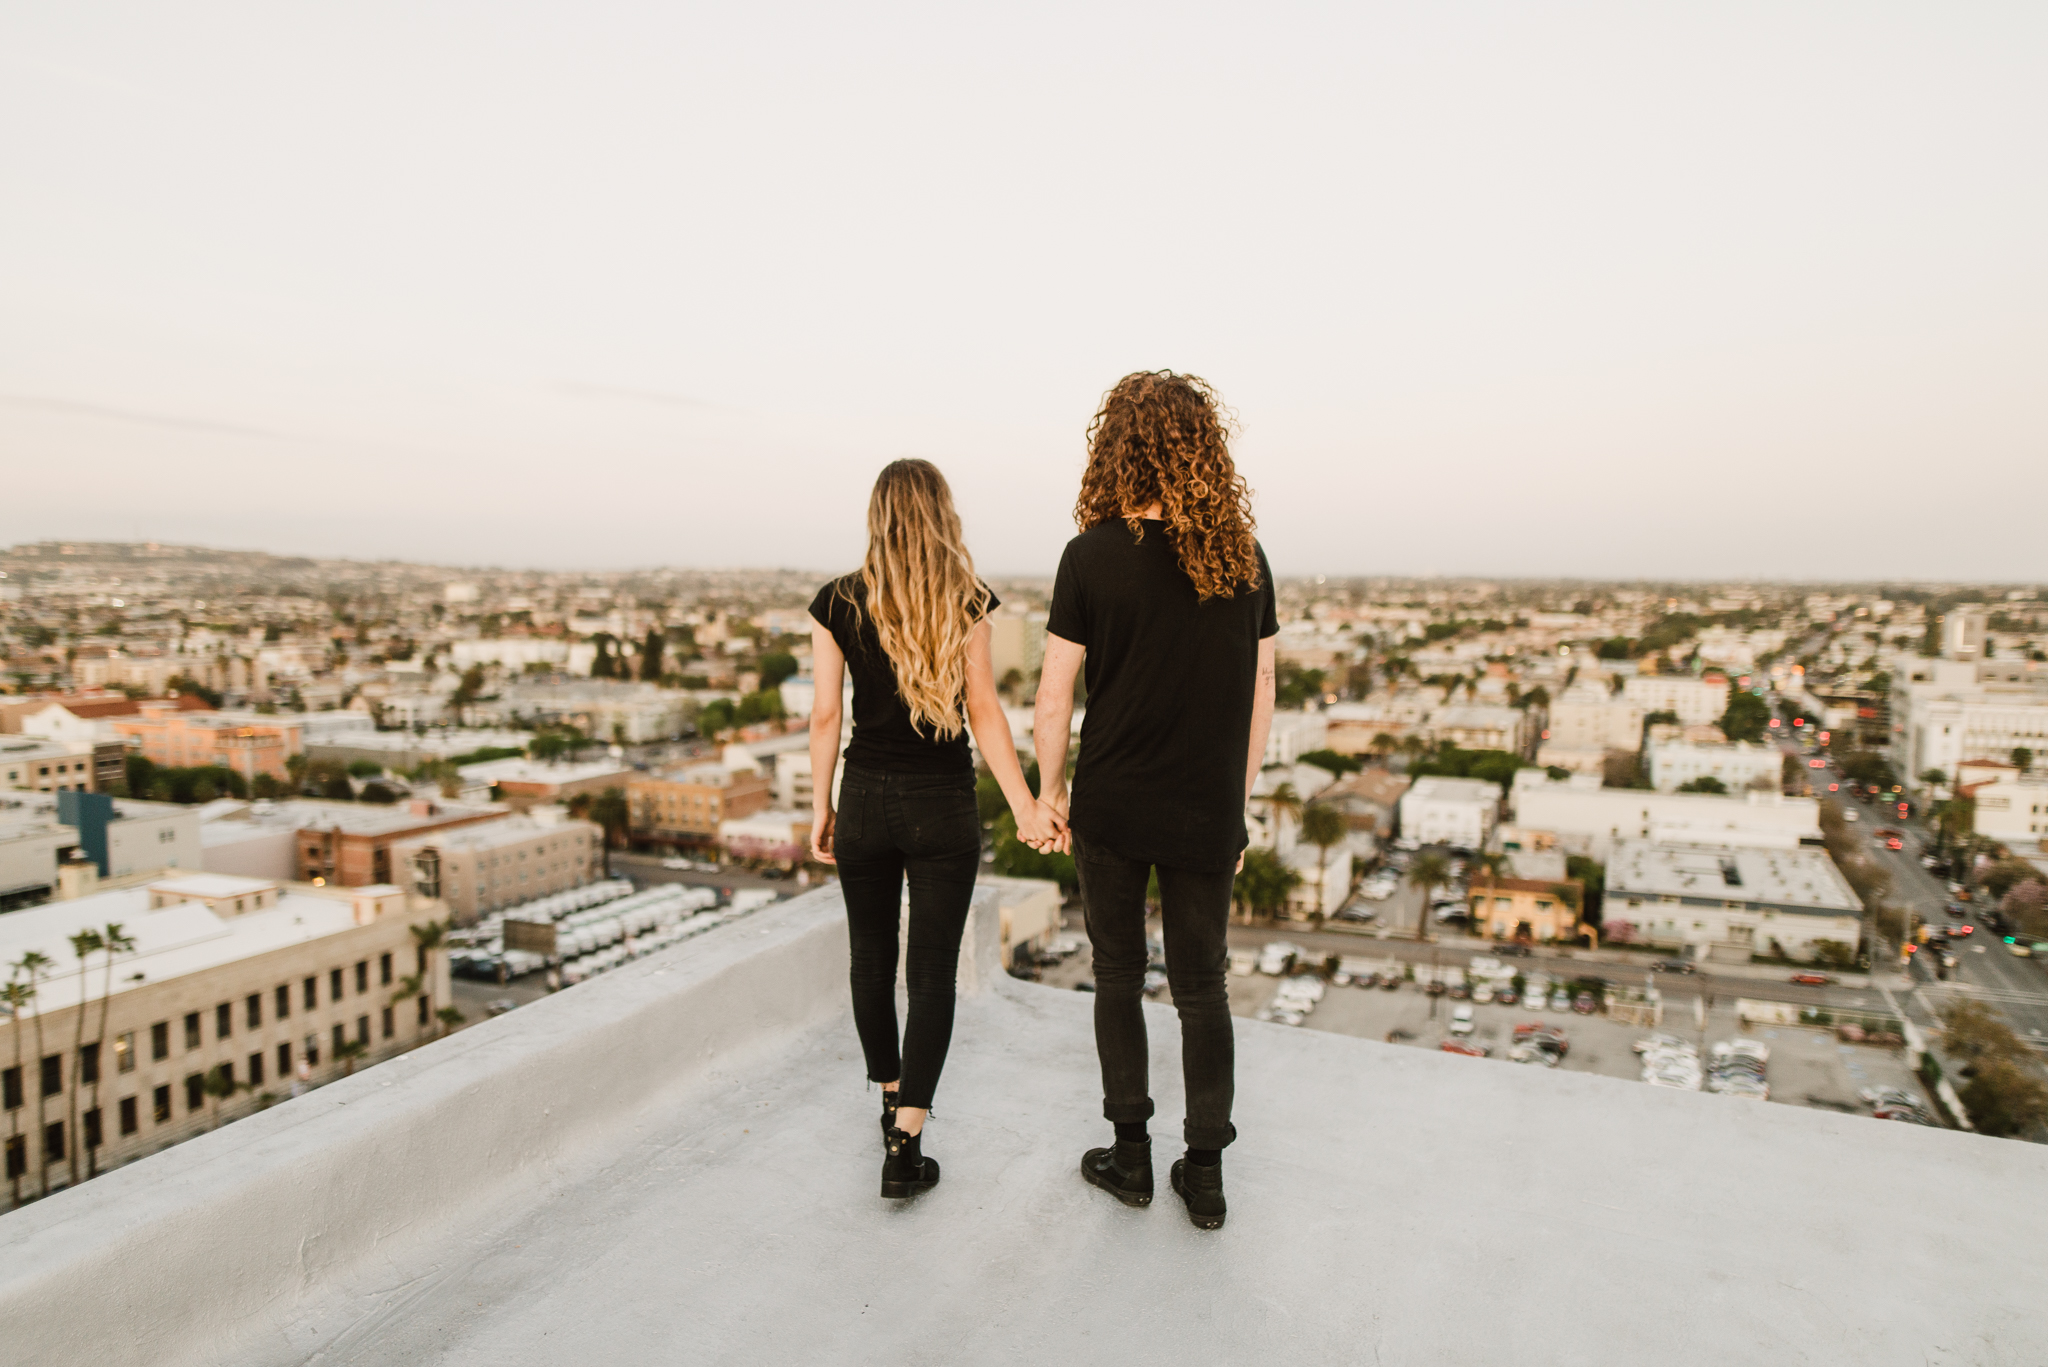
1801, 879
568, 1182
433, 742
543, 773
514, 829
1437, 788
374, 818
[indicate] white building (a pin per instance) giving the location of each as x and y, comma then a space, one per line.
1587, 818
1450, 811
780, 835
1729, 902
2013, 809
1476, 726
1737, 765
1589, 717
1333, 880
1293, 735
515, 653
1696, 701
1948, 711
30, 843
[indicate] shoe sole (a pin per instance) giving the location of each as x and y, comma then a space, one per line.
1129, 1198
899, 1191
1199, 1221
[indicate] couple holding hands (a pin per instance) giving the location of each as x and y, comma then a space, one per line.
1166, 600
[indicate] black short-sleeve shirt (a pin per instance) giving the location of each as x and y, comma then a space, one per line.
883, 734
1160, 775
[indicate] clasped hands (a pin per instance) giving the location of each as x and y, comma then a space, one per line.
1042, 824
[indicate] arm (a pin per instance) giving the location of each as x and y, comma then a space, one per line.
1037, 824
828, 668
1053, 719
1264, 685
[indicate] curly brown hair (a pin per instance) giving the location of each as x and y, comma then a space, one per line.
1163, 438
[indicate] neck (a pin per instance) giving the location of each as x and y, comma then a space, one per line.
1153, 511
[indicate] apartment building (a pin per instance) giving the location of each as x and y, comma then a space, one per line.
1476, 726
1697, 702
1591, 718
49, 766
1582, 817
478, 869
1738, 765
350, 843
249, 743
1526, 908
1016, 642
1947, 711
255, 984
685, 805
524, 784
32, 841
1450, 811
2011, 807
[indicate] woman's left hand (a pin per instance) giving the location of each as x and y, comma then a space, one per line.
822, 824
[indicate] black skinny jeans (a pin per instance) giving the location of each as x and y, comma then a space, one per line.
923, 827
1195, 912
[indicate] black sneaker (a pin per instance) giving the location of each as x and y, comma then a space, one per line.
1202, 1189
906, 1171
1123, 1170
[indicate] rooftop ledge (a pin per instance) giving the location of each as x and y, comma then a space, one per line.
677, 1163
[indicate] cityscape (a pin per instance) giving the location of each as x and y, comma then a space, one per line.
1594, 446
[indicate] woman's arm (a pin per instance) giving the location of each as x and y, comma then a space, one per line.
828, 669
1264, 685
1037, 824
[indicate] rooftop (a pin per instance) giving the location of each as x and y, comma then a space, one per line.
1802, 878
371, 818
488, 835
1436, 788
564, 1182
543, 774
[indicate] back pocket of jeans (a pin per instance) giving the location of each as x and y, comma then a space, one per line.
846, 822
940, 822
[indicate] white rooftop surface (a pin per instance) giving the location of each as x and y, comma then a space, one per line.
1800, 879
369, 818
487, 835
535, 771
677, 1162
170, 942
1437, 788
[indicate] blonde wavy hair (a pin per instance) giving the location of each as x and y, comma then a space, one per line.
1165, 438
922, 593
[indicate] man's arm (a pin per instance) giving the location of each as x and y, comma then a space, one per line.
1263, 687
827, 669
1054, 717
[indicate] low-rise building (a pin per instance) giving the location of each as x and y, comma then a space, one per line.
1587, 818
32, 841
254, 983
350, 843
37, 765
1450, 811
687, 804
776, 835
1730, 902
1527, 909
250, 743
1294, 734
2011, 807
523, 784
1590, 718
1738, 766
1364, 728
481, 868
1695, 701
1368, 799
1476, 726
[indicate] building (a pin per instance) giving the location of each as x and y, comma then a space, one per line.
1476, 726
1368, 799
478, 869
775, 835
1325, 879
249, 743
1945, 712
51, 766
32, 842
1737, 765
1729, 902
402, 750
1962, 632
1356, 728
1294, 734
257, 982
1450, 811
686, 805
1016, 642
523, 784
1591, 718
124, 836
1696, 702
2010, 807
81, 716
1527, 909
607, 710
349, 843
1029, 912
1587, 819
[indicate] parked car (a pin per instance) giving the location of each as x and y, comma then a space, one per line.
1674, 966
1511, 951
1461, 1020
1584, 1004
498, 1006
1560, 1000
1483, 993
1505, 996
1273, 959
1812, 979
1465, 1047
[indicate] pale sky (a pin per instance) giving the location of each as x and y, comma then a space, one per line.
1604, 289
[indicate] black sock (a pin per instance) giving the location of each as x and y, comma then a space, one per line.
1131, 1132
1206, 1158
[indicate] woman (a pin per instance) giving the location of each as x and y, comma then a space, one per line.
911, 626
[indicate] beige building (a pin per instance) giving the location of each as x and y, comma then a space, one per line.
1695, 702
685, 805
48, 766
1526, 908
478, 869
1593, 719
256, 984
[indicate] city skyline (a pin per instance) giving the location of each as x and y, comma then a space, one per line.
1603, 294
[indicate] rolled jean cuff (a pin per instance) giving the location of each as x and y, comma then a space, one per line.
1209, 1136
1127, 1112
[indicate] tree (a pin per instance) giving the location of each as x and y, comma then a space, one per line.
84, 944
335, 787
1705, 783
114, 941
2026, 908
1747, 716
1283, 802
650, 655
1331, 760
1492, 861
1322, 826
348, 1053
185, 683
2002, 877
2005, 1099
364, 768
778, 665
448, 1018
17, 995
609, 810
1592, 876
2022, 757
467, 691
715, 716
603, 665
1933, 778
220, 1085
1262, 885
1429, 872
1008, 685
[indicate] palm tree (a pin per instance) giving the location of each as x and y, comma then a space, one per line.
608, 809
1492, 862
113, 941
219, 1085
17, 995
348, 1053
1322, 826
426, 939
1429, 871
1281, 803
35, 966
449, 1017
84, 944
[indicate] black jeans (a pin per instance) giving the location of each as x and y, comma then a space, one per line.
925, 828
1195, 910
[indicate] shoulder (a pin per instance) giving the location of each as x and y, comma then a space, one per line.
828, 609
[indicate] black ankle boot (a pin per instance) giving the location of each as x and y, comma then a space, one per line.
1202, 1189
906, 1171
889, 1113
1124, 1170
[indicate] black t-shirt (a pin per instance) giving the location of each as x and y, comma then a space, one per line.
1160, 776
883, 735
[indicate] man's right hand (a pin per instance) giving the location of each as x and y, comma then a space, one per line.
1056, 801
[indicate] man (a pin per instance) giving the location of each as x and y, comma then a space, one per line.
1167, 598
